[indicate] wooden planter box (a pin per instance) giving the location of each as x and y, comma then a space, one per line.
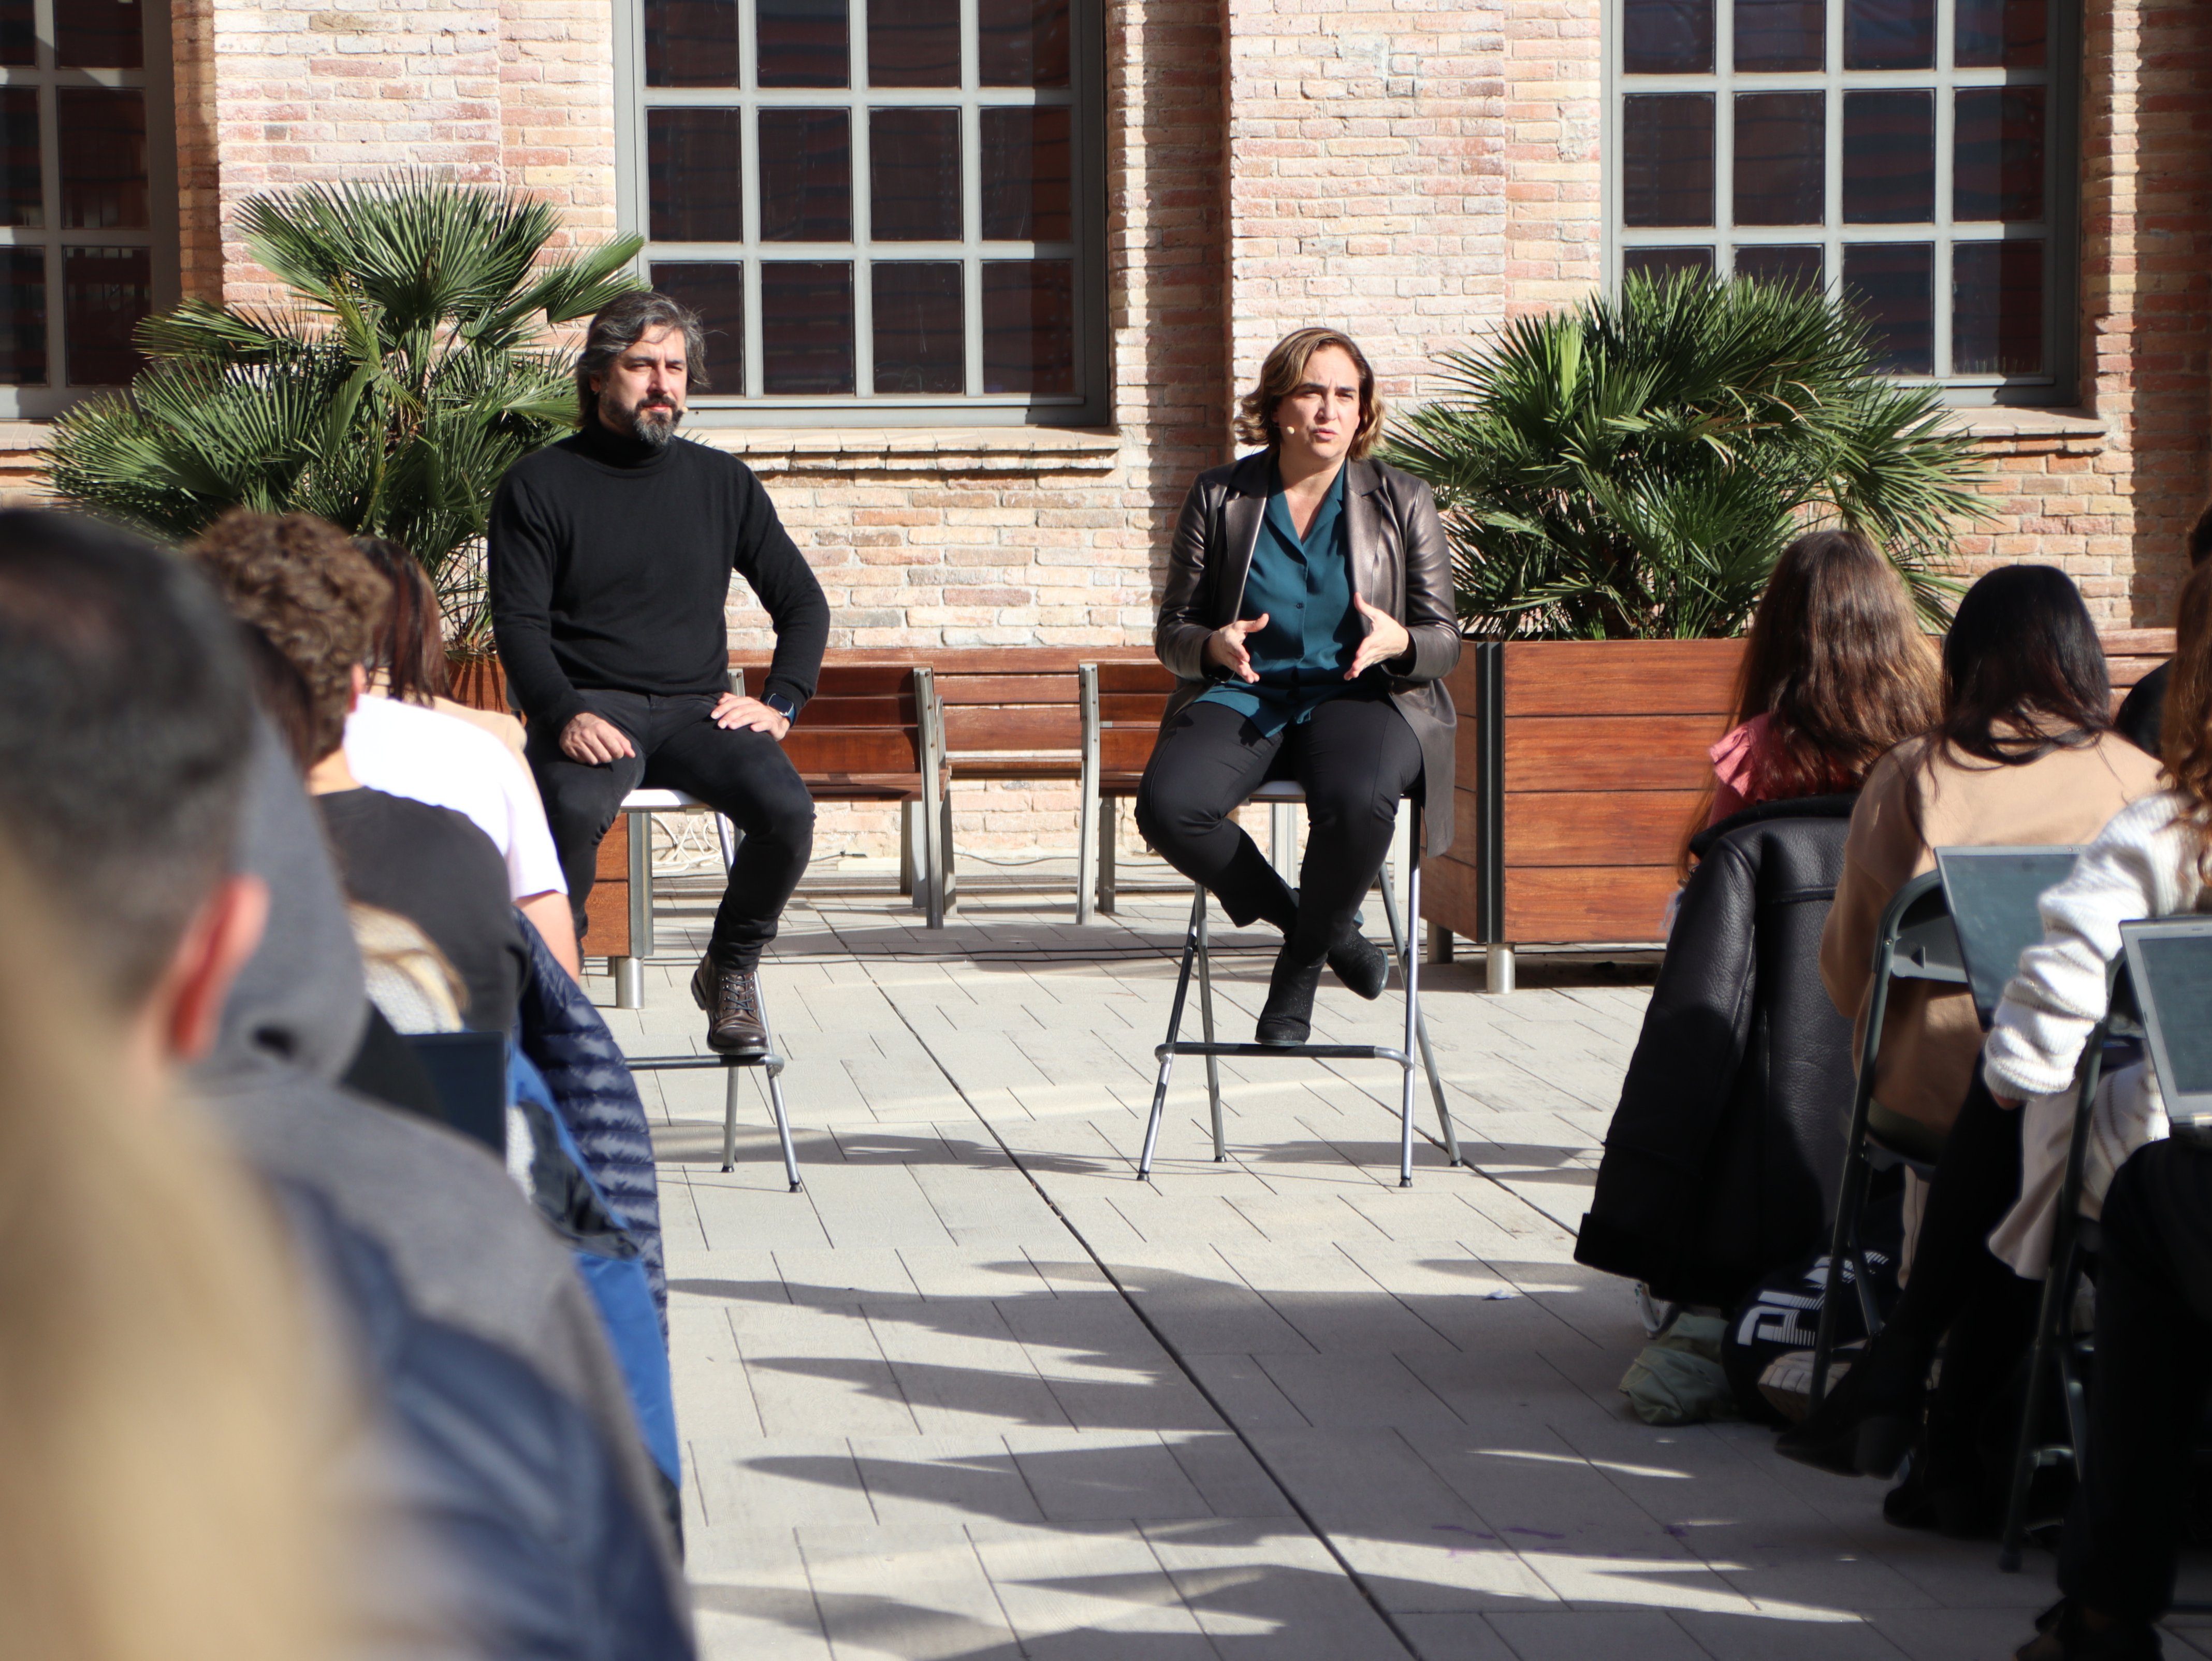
1580, 764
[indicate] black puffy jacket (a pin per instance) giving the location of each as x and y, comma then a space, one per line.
1722, 1159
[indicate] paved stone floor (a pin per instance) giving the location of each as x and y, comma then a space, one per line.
977, 1392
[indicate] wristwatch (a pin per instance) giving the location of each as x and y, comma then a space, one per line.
782, 705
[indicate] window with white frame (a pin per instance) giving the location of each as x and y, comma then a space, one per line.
1912, 155
885, 210
87, 224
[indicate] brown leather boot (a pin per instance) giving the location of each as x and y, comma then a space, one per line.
731, 998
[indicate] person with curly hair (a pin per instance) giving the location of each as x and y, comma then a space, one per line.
299, 583
1308, 616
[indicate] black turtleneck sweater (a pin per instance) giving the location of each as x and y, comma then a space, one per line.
609, 564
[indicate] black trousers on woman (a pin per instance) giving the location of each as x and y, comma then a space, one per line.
1356, 759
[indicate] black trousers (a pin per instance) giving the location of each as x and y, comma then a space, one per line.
1954, 1280
1356, 758
742, 774
2146, 1395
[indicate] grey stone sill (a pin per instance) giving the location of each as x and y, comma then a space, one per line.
25, 434
2003, 421
919, 449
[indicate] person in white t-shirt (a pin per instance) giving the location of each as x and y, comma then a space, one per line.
396, 742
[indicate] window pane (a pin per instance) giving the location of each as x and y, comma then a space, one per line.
1781, 34
801, 43
717, 293
913, 176
1793, 266
694, 175
1889, 158
1028, 176
1781, 157
806, 176
21, 203
1889, 35
691, 43
104, 291
921, 337
2001, 33
1029, 326
19, 43
1890, 284
100, 34
1997, 308
1666, 177
914, 43
22, 317
1022, 42
806, 327
103, 144
1997, 157
1663, 263
1666, 37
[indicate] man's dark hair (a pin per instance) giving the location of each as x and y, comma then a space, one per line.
619, 326
126, 725
303, 583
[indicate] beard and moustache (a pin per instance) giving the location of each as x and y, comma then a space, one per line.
648, 428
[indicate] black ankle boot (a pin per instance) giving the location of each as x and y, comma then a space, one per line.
1287, 1016
1362, 965
1860, 1429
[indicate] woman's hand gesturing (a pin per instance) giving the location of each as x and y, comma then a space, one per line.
1225, 646
1386, 639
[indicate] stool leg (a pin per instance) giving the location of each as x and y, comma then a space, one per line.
1175, 1031
1410, 959
775, 1070
1402, 947
1205, 1019
729, 1118
630, 982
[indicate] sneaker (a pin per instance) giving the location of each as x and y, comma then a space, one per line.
731, 998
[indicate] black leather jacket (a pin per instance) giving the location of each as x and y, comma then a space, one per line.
1400, 564
1724, 1155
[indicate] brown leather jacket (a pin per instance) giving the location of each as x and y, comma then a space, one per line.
1400, 564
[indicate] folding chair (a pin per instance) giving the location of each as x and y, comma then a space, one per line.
1284, 793
771, 1064
2162, 992
2059, 1351
1913, 941
1986, 918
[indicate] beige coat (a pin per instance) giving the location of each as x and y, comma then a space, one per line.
1931, 1038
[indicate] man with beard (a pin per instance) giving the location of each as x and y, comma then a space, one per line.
610, 554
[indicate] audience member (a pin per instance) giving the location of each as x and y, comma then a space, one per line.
1835, 672
126, 735
303, 584
2154, 1340
405, 741
2145, 704
165, 1491
2023, 755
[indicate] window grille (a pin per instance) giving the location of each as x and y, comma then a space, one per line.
1912, 155
882, 209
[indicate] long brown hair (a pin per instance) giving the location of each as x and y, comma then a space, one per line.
2186, 729
1837, 664
409, 643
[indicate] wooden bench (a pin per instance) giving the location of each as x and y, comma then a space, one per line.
1123, 704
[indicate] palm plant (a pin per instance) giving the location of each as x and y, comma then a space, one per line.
388, 395
1633, 469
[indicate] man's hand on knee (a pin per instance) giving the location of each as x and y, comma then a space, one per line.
594, 740
733, 712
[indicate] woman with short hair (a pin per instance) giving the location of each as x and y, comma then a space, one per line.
1309, 614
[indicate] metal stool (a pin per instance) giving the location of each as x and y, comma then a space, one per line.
1279, 794
629, 979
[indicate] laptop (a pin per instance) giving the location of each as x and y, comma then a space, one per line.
1991, 895
2170, 962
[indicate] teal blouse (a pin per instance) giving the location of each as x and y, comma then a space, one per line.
1302, 586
